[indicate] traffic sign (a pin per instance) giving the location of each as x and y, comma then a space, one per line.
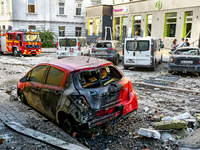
10, 27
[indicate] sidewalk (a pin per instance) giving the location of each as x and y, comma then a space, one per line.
49, 50
18, 112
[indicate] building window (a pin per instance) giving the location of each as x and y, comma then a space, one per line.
136, 25
187, 27
170, 24
31, 6
96, 26
2, 7
32, 27
8, 6
148, 25
61, 8
10, 36
90, 26
78, 9
61, 31
4, 27
78, 31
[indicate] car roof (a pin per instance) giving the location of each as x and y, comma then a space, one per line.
80, 62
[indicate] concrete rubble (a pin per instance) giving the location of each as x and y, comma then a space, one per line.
149, 133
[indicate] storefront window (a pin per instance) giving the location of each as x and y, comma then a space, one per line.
170, 24
148, 25
187, 27
116, 33
136, 25
96, 26
90, 26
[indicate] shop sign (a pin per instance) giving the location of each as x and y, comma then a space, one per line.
158, 5
125, 9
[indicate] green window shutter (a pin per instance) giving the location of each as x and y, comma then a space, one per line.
184, 26
146, 25
121, 23
133, 26
165, 27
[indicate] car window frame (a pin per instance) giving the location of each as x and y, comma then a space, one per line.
43, 77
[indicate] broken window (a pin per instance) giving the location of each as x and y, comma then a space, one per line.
99, 77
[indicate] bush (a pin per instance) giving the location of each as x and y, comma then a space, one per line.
46, 38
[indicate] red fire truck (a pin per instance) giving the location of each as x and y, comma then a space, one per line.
20, 42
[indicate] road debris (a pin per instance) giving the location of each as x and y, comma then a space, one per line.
167, 125
149, 133
43, 137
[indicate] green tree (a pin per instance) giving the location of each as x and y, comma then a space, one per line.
46, 38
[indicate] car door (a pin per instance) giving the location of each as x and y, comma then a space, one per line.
32, 89
51, 91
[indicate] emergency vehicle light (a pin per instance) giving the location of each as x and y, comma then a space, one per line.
23, 30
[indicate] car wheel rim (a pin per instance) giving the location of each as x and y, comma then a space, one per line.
67, 126
15, 52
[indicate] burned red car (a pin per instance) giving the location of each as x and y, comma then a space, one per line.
78, 91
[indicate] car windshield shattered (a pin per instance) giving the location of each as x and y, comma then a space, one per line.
98, 77
187, 52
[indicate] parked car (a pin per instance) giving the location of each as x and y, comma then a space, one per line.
78, 91
142, 52
184, 59
72, 46
110, 50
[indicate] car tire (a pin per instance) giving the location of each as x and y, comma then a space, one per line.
22, 97
70, 125
117, 60
15, 53
125, 68
154, 66
34, 54
160, 60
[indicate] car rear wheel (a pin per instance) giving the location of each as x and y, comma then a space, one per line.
15, 52
160, 60
125, 68
117, 60
70, 125
154, 66
23, 98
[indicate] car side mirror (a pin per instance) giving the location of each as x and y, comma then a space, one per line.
24, 79
161, 45
170, 52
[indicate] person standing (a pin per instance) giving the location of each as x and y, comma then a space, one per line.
182, 43
187, 44
174, 45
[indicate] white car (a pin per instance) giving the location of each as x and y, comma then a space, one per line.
142, 52
72, 46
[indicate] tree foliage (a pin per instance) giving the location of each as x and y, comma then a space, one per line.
46, 38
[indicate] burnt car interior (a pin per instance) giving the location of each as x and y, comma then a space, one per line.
187, 52
99, 77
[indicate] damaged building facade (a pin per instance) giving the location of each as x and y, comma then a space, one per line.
157, 18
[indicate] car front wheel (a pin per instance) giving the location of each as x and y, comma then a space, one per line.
23, 98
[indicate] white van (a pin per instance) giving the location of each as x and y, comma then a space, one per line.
142, 52
72, 46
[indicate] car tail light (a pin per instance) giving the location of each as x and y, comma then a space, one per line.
123, 51
199, 61
93, 48
152, 51
130, 87
79, 46
171, 59
111, 48
57, 45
